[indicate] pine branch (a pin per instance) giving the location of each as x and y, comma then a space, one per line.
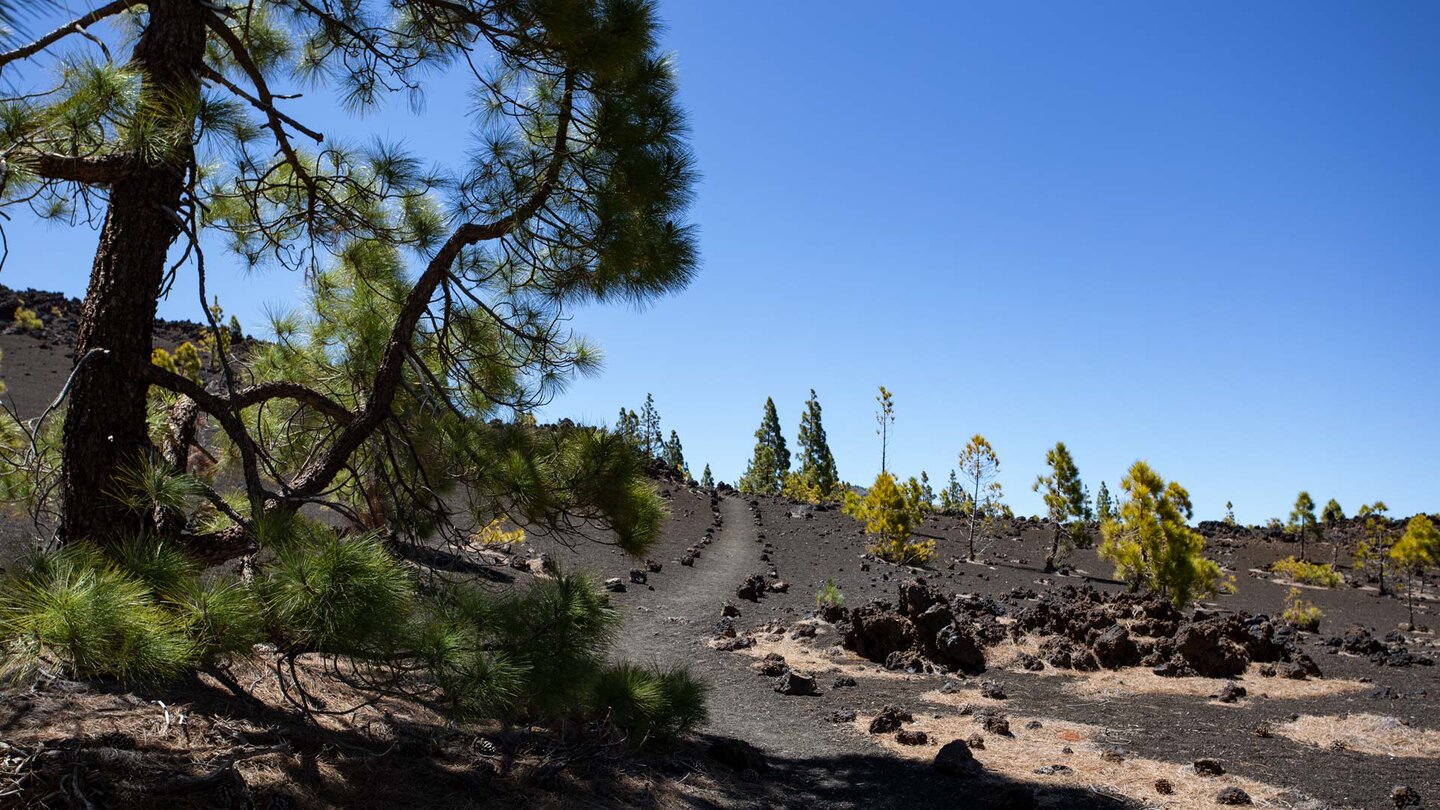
387, 376
88, 170
78, 26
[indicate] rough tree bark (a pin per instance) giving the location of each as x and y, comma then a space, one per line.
105, 422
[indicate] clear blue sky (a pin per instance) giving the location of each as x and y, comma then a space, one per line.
1202, 234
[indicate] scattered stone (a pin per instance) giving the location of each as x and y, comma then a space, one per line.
803, 631
1232, 795
654, 567
842, 716
1054, 770
731, 644
1208, 767
992, 690
1404, 796
638, 576
1113, 754
1034, 724
889, 719
954, 759
797, 683
842, 681
778, 586
910, 737
996, 724
729, 611
1264, 729
1164, 787
752, 588
1029, 662
614, 585
1230, 692
772, 665
976, 742
688, 560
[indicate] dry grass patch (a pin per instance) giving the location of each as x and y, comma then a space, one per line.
1141, 681
1016, 759
1376, 734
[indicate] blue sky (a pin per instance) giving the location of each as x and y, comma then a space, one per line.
1200, 234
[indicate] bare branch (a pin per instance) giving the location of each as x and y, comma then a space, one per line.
78, 26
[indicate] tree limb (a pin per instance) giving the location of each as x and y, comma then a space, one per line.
78, 26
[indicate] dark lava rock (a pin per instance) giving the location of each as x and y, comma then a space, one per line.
1114, 649
752, 588
1029, 662
909, 737
796, 683
614, 585
1164, 787
638, 576
1232, 795
653, 566
842, 716
1404, 796
876, 631
1205, 649
772, 665
1051, 770
889, 719
729, 611
958, 649
1208, 767
843, 681
992, 690
735, 643
996, 724
738, 755
954, 759
803, 631
976, 742
1230, 692
778, 586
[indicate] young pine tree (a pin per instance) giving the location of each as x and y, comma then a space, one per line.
885, 418
1104, 506
890, 513
1151, 543
771, 462
817, 464
953, 497
1332, 513
1374, 550
1229, 513
674, 453
980, 466
1417, 550
1066, 501
706, 479
1302, 519
651, 439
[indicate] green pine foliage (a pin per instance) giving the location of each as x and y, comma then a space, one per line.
1104, 506
885, 419
817, 463
1417, 550
771, 461
980, 467
651, 439
707, 479
1066, 500
1302, 520
1151, 543
1373, 552
1332, 514
890, 515
674, 452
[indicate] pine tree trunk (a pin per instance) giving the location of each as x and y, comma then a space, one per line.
105, 425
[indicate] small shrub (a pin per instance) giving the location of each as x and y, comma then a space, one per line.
648, 704
27, 319
1304, 615
889, 516
1307, 573
495, 534
829, 595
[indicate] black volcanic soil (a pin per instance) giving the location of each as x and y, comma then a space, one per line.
1123, 729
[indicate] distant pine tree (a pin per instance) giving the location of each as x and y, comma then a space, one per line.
706, 479
981, 466
651, 439
1302, 519
817, 464
1332, 513
771, 462
885, 417
1104, 506
674, 453
1066, 500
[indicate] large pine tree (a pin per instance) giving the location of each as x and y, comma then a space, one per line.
575, 191
817, 464
771, 461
